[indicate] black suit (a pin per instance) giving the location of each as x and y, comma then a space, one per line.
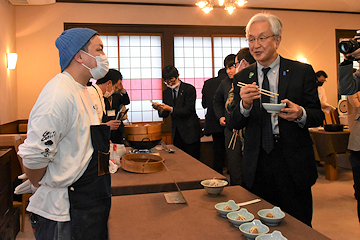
118, 99
290, 167
212, 125
185, 123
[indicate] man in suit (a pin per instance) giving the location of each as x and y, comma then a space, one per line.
278, 156
179, 102
212, 126
222, 108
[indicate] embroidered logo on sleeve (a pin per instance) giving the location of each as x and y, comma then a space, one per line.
46, 138
46, 153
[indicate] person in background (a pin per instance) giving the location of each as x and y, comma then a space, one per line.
349, 84
212, 126
222, 108
179, 102
115, 103
64, 143
321, 79
103, 88
278, 156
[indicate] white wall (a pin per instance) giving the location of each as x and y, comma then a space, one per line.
306, 34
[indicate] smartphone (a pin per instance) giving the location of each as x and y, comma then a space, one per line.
122, 115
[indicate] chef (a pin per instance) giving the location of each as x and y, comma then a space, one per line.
103, 88
65, 143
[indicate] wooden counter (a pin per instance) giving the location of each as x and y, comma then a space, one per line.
148, 216
184, 169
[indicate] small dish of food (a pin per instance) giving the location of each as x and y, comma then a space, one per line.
239, 217
271, 217
275, 235
214, 186
273, 107
225, 207
253, 229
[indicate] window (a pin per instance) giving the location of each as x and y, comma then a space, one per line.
127, 47
139, 59
200, 58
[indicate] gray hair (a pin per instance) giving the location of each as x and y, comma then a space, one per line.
274, 21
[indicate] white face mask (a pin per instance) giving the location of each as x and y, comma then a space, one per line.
173, 86
108, 94
102, 66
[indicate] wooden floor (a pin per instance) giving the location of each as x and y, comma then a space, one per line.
334, 207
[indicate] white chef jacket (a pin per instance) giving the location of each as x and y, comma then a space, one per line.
58, 138
322, 94
97, 98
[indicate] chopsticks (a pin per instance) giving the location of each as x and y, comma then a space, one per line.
262, 91
233, 137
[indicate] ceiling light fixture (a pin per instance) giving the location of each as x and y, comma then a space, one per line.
229, 5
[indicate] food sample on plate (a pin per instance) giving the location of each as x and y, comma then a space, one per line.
227, 207
254, 229
241, 217
213, 183
270, 215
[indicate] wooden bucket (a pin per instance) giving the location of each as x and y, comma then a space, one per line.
141, 131
142, 163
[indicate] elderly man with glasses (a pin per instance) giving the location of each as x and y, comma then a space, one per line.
278, 156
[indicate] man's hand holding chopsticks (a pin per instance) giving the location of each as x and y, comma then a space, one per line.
248, 94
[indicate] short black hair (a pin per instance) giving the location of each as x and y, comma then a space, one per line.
229, 60
113, 75
321, 73
169, 72
245, 54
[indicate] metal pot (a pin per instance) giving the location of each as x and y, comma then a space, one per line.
334, 127
144, 144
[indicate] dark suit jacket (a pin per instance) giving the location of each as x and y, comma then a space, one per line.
118, 99
220, 98
183, 117
212, 124
297, 82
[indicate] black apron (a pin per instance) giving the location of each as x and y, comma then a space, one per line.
90, 195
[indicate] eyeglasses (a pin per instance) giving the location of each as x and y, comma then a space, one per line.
234, 64
260, 39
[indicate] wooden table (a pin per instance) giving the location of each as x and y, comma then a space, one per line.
328, 145
184, 169
148, 216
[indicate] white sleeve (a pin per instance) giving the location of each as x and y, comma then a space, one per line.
39, 148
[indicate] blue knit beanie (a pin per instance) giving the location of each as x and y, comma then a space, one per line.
70, 42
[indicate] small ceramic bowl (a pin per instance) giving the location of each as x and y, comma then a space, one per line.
220, 207
232, 216
273, 107
275, 235
245, 228
271, 221
214, 186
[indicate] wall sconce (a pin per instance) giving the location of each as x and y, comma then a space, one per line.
303, 60
11, 60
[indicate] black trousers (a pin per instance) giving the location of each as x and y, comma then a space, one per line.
274, 183
355, 165
219, 151
192, 149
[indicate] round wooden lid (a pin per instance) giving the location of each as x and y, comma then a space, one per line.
142, 163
